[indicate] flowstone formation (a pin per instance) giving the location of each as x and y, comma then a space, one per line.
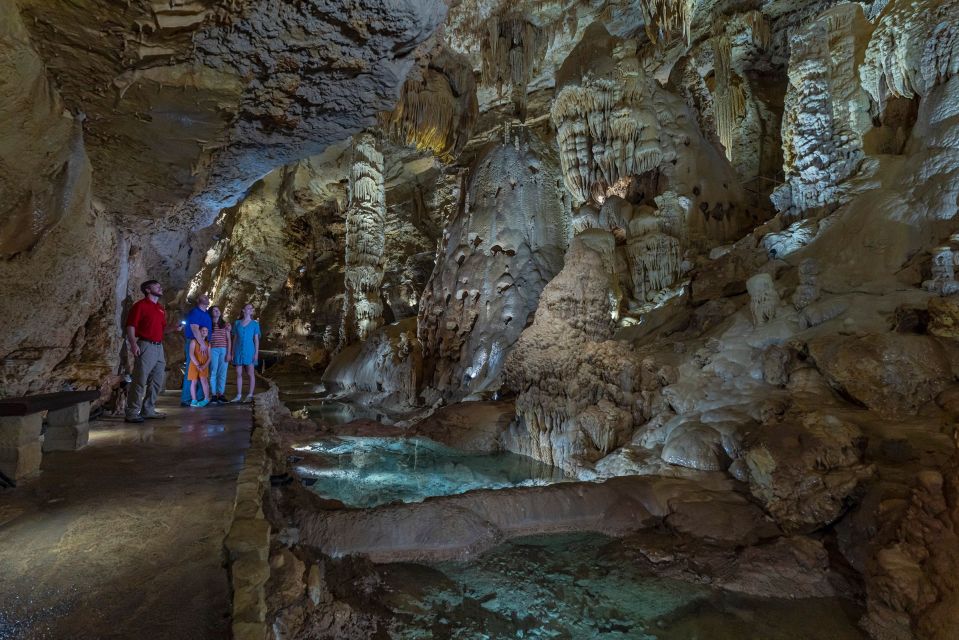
578, 392
498, 252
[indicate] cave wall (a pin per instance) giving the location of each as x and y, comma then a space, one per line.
681, 238
60, 257
128, 128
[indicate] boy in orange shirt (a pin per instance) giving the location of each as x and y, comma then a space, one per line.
199, 369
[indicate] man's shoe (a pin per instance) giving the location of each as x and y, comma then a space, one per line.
133, 419
185, 404
156, 415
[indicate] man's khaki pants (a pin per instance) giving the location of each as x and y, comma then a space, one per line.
149, 371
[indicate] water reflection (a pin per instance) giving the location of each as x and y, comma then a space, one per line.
584, 587
367, 472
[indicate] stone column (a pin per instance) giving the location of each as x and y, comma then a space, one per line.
20, 450
365, 242
68, 429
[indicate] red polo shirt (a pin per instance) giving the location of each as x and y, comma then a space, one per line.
148, 320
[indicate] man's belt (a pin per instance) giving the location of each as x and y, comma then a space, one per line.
150, 341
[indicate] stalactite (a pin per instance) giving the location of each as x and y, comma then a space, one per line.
749, 34
604, 132
758, 27
914, 47
511, 50
365, 242
662, 17
437, 107
729, 98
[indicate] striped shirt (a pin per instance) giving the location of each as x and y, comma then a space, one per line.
220, 337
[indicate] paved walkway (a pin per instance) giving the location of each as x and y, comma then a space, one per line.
123, 539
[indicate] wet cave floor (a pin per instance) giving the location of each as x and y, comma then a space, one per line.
582, 586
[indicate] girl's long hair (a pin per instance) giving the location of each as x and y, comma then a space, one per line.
221, 322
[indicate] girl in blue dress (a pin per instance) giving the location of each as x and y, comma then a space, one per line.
246, 351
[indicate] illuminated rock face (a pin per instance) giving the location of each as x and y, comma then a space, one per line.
498, 252
63, 265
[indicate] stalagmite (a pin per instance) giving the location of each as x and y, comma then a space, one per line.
365, 242
763, 298
499, 250
827, 113
943, 269
808, 290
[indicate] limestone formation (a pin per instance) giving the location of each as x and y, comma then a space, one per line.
943, 280
578, 392
826, 112
365, 242
763, 298
701, 257
806, 472
807, 291
889, 373
498, 252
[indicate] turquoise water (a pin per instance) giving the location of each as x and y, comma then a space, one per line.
368, 472
584, 587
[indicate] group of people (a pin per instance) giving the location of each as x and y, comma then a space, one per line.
211, 344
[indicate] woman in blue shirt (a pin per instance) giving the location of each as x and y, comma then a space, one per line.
246, 351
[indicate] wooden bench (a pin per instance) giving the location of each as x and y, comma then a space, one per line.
21, 423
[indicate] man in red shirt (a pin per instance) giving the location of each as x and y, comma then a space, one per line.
144, 333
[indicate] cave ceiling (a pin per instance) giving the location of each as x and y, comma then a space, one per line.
185, 103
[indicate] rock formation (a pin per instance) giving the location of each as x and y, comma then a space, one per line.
365, 242
498, 252
709, 244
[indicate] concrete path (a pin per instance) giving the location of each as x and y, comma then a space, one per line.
123, 539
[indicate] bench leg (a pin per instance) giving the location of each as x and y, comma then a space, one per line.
66, 438
20, 451
70, 416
